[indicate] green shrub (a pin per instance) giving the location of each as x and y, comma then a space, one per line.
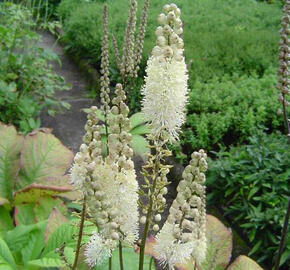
227, 111
27, 82
222, 36
251, 183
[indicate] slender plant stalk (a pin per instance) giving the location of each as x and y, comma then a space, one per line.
80, 235
149, 214
283, 236
151, 263
121, 256
110, 263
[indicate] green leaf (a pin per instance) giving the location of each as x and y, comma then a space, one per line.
33, 247
33, 192
47, 262
219, 245
140, 130
6, 221
244, 263
45, 205
130, 258
136, 119
139, 145
10, 146
24, 214
43, 156
55, 220
17, 238
6, 255
63, 234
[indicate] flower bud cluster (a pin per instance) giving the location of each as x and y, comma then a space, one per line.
105, 81
169, 44
183, 234
155, 175
141, 36
89, 155
165, 90
128, 58
284, 58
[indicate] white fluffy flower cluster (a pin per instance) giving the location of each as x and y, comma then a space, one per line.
96, 251
109, 185
165, 89
183, 234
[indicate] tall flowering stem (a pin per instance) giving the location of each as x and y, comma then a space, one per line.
283, 87
105, 80
163, 106
284, 57
183, 234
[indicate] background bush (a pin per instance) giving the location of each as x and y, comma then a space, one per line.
251, 184
228, 110
27, 82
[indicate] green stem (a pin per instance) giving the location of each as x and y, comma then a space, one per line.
80, 235
151, 262
110, 263
149, 214
121, 256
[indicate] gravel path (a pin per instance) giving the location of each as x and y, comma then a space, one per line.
68, 126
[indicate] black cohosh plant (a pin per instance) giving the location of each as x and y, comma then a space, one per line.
110, 192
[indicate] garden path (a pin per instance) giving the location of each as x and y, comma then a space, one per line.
69, 125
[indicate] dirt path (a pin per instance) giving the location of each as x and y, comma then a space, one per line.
69, 126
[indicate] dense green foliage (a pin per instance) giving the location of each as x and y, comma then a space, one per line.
228, 110
251, 184
27, 82
231, 50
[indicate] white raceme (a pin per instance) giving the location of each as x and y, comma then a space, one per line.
165, 90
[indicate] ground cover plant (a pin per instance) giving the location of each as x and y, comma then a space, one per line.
252, 189
27, 82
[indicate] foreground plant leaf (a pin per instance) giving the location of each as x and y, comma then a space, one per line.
131, 260
43, 157
6, 256
219, 245
33, 192
10, 146
56, 219
244, 263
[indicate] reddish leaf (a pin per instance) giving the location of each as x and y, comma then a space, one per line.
244, 263
56, 218
33, 192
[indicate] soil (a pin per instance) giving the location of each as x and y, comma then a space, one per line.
69, 125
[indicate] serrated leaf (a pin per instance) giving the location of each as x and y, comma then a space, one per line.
6, 221
219, 244
136, 119
10, 146
139, 145
33, 247
45, 205
140, 130
47, 262
244, 263
63, 234
23, 214
43, 157
17, 238
56, 219
6, 255
33, 192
